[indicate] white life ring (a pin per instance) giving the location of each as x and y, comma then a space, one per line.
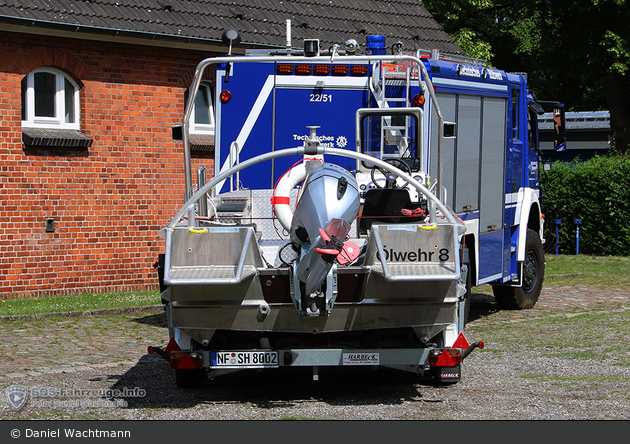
281, 199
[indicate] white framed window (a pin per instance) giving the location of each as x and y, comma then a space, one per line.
203, 111
50, 99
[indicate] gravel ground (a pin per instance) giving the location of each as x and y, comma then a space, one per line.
101, 363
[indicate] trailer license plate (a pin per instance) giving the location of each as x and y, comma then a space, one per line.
244, 359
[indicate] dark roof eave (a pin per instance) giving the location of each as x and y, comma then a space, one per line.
44, 24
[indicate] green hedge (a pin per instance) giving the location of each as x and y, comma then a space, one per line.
596, 191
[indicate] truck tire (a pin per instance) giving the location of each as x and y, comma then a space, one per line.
525, 296
189, 378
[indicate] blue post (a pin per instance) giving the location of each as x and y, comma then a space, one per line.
578, 222
557, 222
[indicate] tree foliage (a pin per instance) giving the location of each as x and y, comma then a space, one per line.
575, 51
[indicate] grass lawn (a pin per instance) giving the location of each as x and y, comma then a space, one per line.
596, 271
581, 270
77, 302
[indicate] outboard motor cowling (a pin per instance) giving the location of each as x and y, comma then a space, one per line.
329, 192
326, 208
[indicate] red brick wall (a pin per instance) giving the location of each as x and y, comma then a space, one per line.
108, 201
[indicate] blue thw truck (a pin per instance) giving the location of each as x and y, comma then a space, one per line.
356, 198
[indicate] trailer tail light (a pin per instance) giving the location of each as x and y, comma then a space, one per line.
284, 68
183, 360
445, 357
340, 70
418, 100
322, 70
225, 96
304, 70
358, 70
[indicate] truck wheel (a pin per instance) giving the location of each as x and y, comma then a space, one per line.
187, 378
519, 298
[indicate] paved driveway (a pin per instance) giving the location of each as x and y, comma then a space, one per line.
97, 367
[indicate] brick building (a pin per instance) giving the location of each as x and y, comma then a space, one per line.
89, 90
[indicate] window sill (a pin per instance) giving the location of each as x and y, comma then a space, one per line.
54, 138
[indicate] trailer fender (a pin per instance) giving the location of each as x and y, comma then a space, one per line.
527, 199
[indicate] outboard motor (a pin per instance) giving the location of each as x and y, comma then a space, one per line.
328, 205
